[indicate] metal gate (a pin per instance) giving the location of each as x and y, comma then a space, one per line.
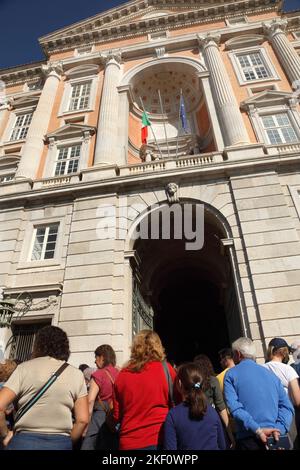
142, 313
22, 340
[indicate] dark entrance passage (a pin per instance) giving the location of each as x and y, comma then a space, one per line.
190, 319
191, 294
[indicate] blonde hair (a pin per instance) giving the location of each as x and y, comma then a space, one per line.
272, 352
146, 347
6, 369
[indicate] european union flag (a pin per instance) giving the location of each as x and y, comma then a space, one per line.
184, 121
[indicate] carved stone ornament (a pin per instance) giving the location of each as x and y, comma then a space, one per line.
54, 68
205, 40
275, 27
112, 56
172, 193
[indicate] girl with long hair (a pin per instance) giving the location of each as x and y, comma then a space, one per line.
194, 424
141, 394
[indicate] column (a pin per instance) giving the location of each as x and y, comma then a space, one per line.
107, 145
230, 118
124, 97
5, 105
34, 145
285, 51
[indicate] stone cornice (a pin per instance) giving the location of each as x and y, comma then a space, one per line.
22, 73
93, 31
114, 184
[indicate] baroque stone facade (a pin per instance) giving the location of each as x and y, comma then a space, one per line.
76, 181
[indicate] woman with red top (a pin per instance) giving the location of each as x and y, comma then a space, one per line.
141, 394
100, 399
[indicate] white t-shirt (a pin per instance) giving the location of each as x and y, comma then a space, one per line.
284, 372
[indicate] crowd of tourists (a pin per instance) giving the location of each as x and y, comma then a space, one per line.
149, 404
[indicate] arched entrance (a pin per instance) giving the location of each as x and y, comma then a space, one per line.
191, 295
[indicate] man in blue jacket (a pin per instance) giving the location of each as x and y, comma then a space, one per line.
256, 399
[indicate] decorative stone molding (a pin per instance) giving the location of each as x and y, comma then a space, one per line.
160, 52
172, 193
245, 40
112, 57
54, 69
208, 40
123, 22
274, 27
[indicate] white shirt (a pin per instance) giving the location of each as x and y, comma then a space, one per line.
284, 372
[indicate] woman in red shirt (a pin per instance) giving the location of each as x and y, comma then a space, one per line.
97, 435
141, 394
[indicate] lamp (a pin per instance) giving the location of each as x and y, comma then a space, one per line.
14, 307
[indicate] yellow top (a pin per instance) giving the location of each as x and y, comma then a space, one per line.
221, 378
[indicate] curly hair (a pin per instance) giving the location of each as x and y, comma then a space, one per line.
206, 368
51, 341
6, 369
146, 347
108, 354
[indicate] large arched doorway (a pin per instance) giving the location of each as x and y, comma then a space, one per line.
191, 294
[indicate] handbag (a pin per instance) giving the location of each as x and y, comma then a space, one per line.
109, 410
170, 384
25, 408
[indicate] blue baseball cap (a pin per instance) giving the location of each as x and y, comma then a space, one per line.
278, 343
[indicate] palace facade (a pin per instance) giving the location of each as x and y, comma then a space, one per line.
73, 168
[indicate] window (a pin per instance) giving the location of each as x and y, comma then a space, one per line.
253, 66
236, 21
44, 242
21, 127
279, 129
67, 160
5, 178
158, 36
80, 96
84, 50
23, 340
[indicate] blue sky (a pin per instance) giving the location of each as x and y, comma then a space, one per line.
24, 21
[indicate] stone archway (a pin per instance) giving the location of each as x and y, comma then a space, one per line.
194, 295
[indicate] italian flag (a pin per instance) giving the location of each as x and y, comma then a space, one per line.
145, 124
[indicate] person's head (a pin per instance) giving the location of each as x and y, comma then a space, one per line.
146, 347
296, 351
226, 358
51, 341
206, 368
189, 383
82, 367
243, 348
105, 356
88, 371
279, 350
6, 369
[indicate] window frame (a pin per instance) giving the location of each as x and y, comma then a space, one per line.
68, 159
45, 242
20, 128
80, 97
65, 102
278, 128
234, 54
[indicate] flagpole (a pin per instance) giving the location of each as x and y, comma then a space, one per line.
178, 122
163, 114
152, 129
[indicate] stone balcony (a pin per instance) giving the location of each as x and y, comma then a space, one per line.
255, 153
